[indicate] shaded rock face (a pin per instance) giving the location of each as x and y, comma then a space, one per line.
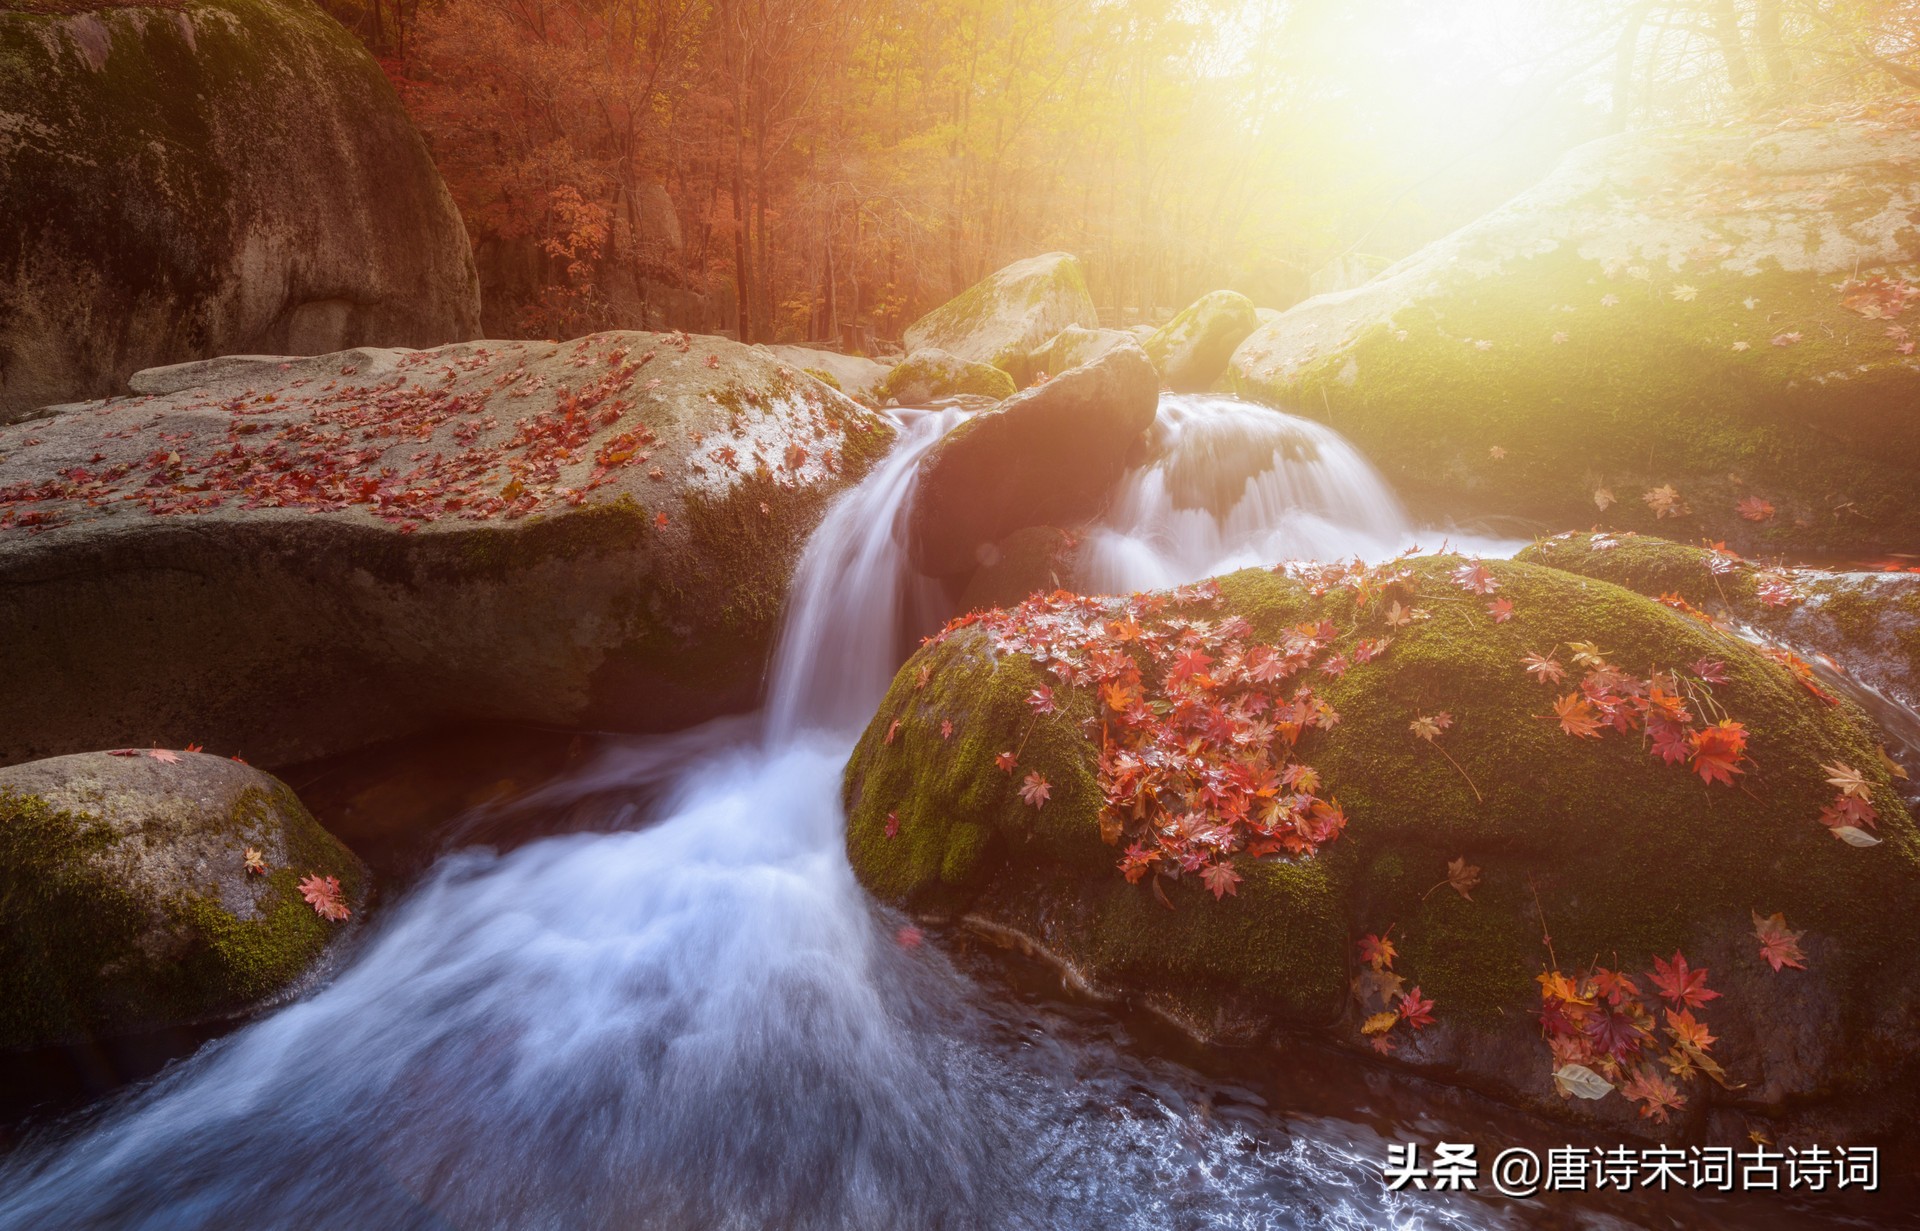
1626, 857
929, 374
1721, 311
856, 376
223, 176
1865, 624
1192, 349
125, 901
306, 557
1005, 315
1049, 455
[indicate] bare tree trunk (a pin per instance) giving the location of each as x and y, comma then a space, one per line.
1733, 51
1773, 51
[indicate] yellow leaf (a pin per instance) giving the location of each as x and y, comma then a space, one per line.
1380, 1023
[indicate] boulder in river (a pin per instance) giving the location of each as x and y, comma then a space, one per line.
1047, 456
1671, 321
1192, 349
149, 888
191, 179
1072, 347
1203, 799
1005, 315
306, 556
929, 374
1867, 624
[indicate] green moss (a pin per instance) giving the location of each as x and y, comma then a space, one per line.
86, 949
1638, 395
1616, 855
824, 377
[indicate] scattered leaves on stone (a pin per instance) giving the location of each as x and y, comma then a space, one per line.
323, 894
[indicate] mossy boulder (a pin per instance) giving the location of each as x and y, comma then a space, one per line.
1192, 349
1595, 843
192, 179
1047, 456
303, 557
125, 899
856, 376
1866, 624
1004, 316
1718, 311
1072, 347
929, 374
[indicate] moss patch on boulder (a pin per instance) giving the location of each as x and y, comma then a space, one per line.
930, 373
1192, 349
1622, 857
126, 902
1004, 316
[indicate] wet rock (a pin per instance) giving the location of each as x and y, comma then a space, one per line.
1716, 311
300, 558
1867, 624
929, 374
1047, 456
125, 899
219, 176
1192, 349
1005, 315
1034, 560
1598, 843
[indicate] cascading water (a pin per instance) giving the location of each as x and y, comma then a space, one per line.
703, 1023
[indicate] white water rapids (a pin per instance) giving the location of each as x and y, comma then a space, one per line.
695, 1018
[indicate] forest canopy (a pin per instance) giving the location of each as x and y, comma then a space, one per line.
829, 169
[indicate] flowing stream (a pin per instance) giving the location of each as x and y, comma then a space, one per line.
693, 1017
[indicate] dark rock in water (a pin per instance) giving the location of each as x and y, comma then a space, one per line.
1005, 315
1048, 456
211, 177
1599, 843
126, 902
930, 374
1866, 624
303, 558
1192, 349
1034, 560
1671, 322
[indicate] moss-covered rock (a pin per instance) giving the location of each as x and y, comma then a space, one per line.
1595, 843
1867, 624
930, 373
1004, 316
1048, 456
1072, 347
1718, 311
1192, 349
300, 558
192, 179
125, 899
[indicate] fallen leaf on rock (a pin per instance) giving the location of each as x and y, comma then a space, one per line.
323, 894
1006, 761
1501, 609
1779, 944
1034, 789
164, 756
1463, 877
254, 863
893, 824
1892, 766
1220, 878
1376, 951
1380, 1023
1849, 780
1854, 836
1581, 1082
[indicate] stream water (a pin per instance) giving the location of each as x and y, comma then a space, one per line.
687, 1014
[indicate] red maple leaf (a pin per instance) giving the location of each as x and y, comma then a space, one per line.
1682, 986
1220, 878
1377, 951
893, 824
323, 894
1717, 751
1034, 789
1414, 1011
1501, 609
1006, 761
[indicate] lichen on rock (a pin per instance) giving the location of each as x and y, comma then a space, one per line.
1005, 315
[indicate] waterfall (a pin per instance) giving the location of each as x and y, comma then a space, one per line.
702, 1022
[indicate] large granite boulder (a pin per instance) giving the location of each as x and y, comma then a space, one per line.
1072, 347
1005, 315
1864, 624
149, 888
191, 179
308, 555
1047, 456
1203, 799
1669, 323
1192, 349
